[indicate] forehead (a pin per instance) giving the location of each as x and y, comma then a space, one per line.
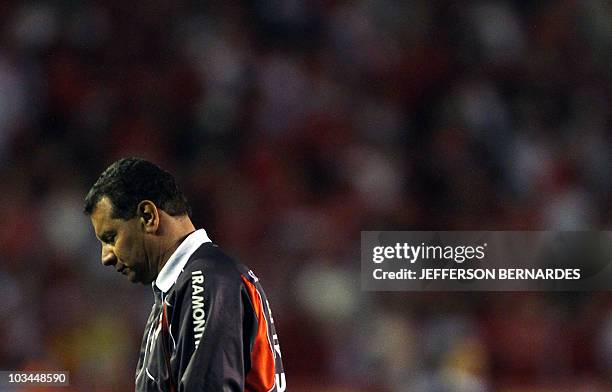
101, 217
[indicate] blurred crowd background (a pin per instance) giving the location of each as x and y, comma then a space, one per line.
292, 126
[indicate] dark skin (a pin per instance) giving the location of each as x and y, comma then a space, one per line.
141, 246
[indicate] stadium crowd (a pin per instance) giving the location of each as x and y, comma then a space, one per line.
292, 126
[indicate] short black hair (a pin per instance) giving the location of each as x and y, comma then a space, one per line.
129, 181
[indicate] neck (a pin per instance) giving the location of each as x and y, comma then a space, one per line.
180, 228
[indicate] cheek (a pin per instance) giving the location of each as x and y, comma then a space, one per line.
133, 252
123, 250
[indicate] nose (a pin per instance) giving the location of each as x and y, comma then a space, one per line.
108, 256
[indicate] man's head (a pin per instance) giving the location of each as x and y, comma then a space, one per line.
137, 212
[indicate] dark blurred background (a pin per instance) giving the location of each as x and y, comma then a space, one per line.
292, 126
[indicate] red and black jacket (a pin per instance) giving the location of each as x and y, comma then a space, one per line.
212, 330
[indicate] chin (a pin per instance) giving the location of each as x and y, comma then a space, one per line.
132, 277
135, 278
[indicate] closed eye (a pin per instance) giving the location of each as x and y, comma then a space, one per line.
108, 238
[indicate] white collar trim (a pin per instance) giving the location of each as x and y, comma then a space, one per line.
175, 264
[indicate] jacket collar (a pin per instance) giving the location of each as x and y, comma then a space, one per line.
175, 264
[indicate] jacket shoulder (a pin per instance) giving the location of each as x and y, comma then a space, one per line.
212, 263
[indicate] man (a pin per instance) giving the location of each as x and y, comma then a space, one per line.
210, 328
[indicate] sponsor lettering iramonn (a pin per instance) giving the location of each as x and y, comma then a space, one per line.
197, 305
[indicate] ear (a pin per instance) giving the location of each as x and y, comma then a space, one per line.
148, 215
